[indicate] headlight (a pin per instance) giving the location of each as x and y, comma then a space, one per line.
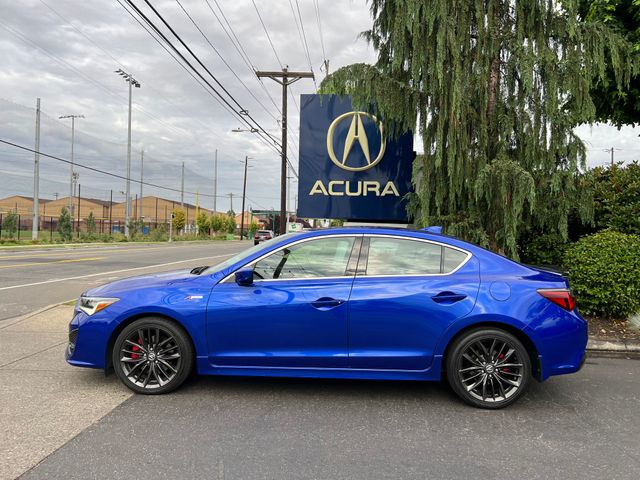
91, 305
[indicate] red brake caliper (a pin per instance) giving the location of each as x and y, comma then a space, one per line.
136, 348
500, 357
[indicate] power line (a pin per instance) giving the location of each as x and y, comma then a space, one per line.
240, 49
26, 40
324, 53
241, 114
223, 60
104, 172
304, 39
161, 95
267, 32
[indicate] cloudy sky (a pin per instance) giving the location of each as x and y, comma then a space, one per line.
65, 52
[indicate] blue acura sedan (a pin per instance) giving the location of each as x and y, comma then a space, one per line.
359, 303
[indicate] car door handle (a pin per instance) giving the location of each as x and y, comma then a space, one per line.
448, 297
325, 303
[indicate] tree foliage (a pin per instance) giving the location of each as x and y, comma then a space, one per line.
91, 223
10, 224
231, 224
495, 88
217, 223
616, 197
202, 222
617, 105
179, 219
64, 224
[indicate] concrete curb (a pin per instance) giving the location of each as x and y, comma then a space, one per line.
618, 346
12, 321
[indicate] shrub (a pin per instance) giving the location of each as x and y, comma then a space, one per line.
616, 195
545, 250
159, 234
604, 270
64, 225
10, 225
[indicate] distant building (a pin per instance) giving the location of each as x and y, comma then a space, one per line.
21, 205
150, 209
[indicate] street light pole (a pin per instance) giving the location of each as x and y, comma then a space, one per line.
72, 177
36, 178
127, 214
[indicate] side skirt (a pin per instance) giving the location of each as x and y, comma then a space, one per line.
433, 373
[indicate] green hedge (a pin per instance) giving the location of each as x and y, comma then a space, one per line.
604, 271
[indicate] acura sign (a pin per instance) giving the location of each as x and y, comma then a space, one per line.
348, 168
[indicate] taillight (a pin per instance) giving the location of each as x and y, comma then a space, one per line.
560, 296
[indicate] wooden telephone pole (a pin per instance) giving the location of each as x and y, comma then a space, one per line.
284, 78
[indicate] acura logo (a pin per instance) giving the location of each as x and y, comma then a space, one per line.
356, 133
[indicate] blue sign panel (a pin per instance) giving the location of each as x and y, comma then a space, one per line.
348, 170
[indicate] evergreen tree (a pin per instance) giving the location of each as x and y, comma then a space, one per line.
64, 224
495, 88
91, 224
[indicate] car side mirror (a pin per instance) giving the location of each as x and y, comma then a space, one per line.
244, 277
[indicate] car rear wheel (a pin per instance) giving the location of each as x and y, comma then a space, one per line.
488, 368
152, 356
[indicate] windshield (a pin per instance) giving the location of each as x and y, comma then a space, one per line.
245, 253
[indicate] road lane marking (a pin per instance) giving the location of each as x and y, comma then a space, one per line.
56, 280
107, 249
68, 260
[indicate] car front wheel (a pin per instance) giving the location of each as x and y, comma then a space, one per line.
152, 356
488, 368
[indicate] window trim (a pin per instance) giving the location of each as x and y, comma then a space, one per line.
356, 245
364, 254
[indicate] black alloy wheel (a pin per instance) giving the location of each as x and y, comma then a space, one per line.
152, 356
488, 368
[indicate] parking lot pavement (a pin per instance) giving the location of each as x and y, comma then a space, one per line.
43, 401
580, 426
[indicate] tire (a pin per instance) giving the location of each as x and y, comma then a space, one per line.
488, 368
153, 356
255, 243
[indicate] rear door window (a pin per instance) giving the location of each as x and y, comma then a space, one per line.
398, 256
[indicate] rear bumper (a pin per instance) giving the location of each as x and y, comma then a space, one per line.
561, 341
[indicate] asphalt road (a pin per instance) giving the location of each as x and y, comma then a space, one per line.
33, 278
580, 426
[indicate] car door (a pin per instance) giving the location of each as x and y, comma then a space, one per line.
295, 312
405, 294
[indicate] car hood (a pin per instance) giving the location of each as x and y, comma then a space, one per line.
154, 280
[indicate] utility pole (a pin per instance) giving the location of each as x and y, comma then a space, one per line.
289, 177
284, 78
127, 214
72, 176
141, 211
215, 182
36, 177
244, 194
182, 188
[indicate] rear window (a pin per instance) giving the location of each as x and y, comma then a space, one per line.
264, 232
396, 256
